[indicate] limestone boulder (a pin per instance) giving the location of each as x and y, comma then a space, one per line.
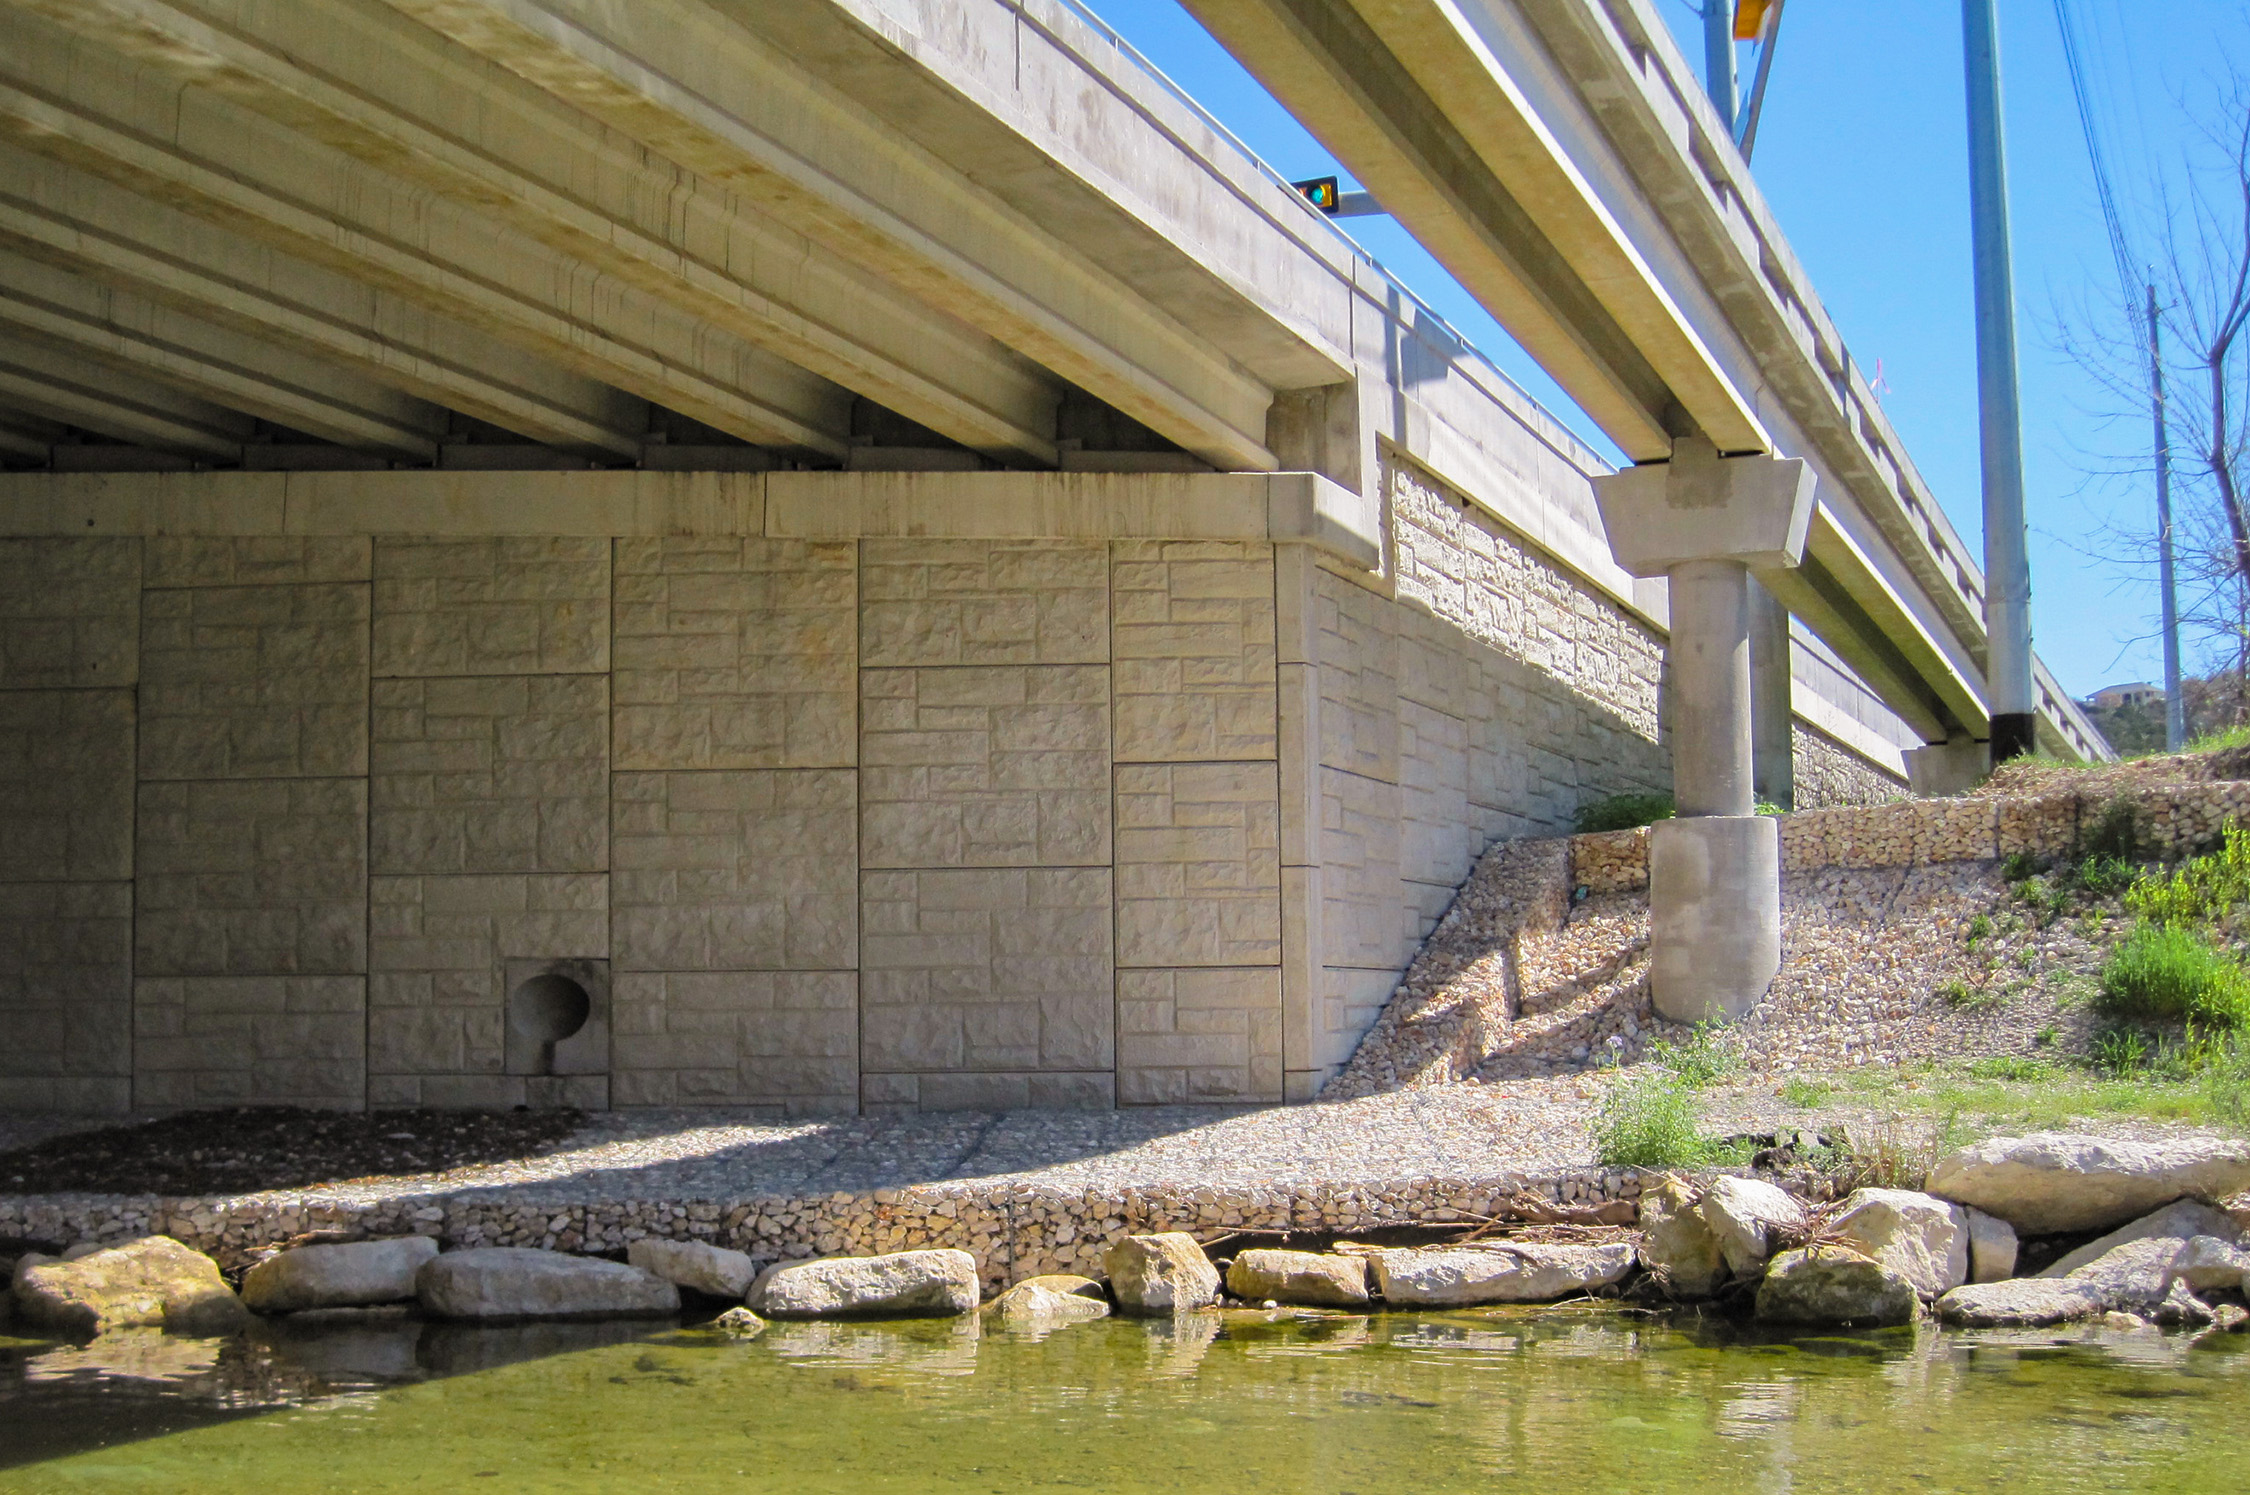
515, 1282
1748, 1216
352, 1274
2173, 1226
1159, 1274
1992, 1247
154, 1281
1030, 1306
1835, 1285
2207, 1265
1922, 1238
2021, 1303
1505, 1272
2051, 1183
696, 1266
25, 1263
1304, 1277
740, 1322
905, 1284
1677, 1245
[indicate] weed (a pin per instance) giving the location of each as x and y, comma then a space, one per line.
1888, 1152
1958, 993
2018, 865
2204, 890
2119, 1052
2028, 957
2090, 925
2013, 1067
2045, 1037
1648, 1123
2166, 973
1707, 1057
1980, 927
2103, 876
2115, 834
1804, 1093
1622, 812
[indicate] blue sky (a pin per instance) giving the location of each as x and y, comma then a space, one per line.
1862, 153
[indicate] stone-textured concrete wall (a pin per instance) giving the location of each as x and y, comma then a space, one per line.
837, 825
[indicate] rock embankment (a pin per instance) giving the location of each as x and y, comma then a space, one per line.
2174, 1252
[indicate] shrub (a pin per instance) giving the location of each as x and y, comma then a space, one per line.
1622, 812
2103, 876
2115, 834
2166, 973
2221, 740
2016, 866
1648, 1123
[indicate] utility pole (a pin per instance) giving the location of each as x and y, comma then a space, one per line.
2007, 568
2175, 704
1718, 58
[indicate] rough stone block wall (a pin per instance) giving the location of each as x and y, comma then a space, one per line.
1479, 692
831, 826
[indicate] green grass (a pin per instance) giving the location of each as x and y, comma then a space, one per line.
2204, 890
2207, 1084
2170, 974
1805, 1093
2219, 741
1649, 1123
1622, 812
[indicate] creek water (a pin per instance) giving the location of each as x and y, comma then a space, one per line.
1544, 1401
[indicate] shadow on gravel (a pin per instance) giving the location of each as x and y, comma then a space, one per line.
277, 1147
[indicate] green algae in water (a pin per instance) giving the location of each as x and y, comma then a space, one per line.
1244, 1404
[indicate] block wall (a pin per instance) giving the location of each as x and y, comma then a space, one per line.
841, 825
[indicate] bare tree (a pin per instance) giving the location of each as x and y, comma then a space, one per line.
2200, 277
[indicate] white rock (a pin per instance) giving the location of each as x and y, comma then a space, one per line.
508, 1282
1508, 1272
905, 1284
1304, 1277
352, 1274
1992, 1247
711, 1270
1676, 1244
1923, 1239
1745, 1215
1163, 1273
1835, 1285
2053, 1182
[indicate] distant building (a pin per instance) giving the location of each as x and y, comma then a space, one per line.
2139, 693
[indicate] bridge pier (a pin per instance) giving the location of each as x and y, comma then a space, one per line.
1704, 522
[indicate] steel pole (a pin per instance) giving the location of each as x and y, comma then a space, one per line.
2007, 568
1718, 58
2175, 703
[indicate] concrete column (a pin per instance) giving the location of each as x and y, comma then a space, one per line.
1710, 655
1773, 722
1705, 522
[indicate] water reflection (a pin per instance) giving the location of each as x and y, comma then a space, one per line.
1246, 1401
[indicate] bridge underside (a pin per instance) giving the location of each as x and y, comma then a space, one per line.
806, 555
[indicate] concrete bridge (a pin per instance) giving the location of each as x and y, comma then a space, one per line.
830, 554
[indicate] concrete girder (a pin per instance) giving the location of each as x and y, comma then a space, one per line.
392, 94
1482, 180
189, 147
1684, 160
61, 385
214, 363
26, 437
707, 94
95, 229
